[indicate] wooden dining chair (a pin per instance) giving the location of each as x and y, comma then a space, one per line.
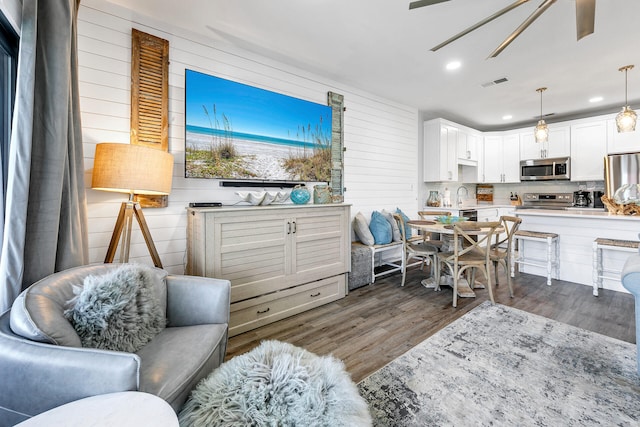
433, 238
414, 249
501, 250
472, 253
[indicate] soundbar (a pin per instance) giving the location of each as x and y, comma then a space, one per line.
205, 204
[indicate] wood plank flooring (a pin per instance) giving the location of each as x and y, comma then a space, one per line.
377, 323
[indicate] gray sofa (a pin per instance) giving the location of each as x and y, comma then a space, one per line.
42, 371
631, 281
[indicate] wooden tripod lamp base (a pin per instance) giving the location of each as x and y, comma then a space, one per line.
132, 169
124, 224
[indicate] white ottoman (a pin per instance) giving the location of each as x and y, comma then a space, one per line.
129, 408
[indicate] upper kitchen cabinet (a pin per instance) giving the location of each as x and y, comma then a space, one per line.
626, 142
588, 149
440, 159
502, 158
558, 145
468, 146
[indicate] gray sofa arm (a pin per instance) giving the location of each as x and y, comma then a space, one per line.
194, 300
31, 370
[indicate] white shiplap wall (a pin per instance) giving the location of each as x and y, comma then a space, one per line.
381, 137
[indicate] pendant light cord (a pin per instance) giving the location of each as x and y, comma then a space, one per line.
541, 89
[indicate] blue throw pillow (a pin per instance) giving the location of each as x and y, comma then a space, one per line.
407, 229
380, 228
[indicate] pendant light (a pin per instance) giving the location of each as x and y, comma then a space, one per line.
541, 131
626, 119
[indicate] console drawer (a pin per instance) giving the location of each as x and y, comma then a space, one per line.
255, 312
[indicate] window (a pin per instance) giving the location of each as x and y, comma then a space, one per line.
8, 68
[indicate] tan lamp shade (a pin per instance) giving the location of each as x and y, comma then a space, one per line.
134, 169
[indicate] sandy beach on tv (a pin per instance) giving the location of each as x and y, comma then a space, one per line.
262, 158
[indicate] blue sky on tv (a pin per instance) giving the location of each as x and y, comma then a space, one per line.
250, 109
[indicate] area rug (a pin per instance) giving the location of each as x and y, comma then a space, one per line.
499, 366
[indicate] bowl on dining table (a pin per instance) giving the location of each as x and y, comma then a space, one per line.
449, 219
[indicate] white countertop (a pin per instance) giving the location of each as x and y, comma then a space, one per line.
467, 207
576, 213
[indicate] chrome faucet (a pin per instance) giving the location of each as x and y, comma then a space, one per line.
458, 198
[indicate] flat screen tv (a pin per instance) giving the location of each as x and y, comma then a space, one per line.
235, 131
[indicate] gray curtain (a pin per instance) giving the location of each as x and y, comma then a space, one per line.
45, 228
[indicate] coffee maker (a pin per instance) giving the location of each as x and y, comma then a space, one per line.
597, 199
582, 199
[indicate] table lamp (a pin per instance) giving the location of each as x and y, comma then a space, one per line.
132, 169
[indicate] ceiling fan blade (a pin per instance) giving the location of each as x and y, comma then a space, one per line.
539, 11
585, 17
480, 24
421, 3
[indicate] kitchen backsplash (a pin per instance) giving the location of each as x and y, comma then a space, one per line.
501, 192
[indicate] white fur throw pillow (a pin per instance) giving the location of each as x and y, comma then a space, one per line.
118, 310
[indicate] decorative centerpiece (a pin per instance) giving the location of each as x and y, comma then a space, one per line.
263, 198
300, 195
449, 219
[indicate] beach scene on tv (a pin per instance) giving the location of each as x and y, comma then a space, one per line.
237, 131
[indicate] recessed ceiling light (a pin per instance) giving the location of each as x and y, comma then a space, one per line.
453, 65
507, 117
596, 99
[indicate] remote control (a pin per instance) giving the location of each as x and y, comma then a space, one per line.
205, 204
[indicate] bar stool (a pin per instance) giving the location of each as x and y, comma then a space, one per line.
599, 272
551, 262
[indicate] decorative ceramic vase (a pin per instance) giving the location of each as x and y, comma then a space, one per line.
300, 195
321, 194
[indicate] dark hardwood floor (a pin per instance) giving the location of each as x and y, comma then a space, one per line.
377, 323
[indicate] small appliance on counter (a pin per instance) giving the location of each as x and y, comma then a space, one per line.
588, 199
582, 199
597, 199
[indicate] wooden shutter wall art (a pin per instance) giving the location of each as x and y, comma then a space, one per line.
336, 102
150, 98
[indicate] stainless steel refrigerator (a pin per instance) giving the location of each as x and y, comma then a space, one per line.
621, 170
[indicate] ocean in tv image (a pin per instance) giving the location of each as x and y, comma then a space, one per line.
237, 131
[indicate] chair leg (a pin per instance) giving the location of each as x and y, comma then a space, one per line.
487, 275
403, 267
455, 286
507, 267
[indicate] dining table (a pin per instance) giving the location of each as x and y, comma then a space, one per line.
447, 232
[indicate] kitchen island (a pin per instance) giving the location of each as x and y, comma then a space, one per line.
578, 228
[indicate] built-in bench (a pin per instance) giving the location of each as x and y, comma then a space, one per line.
365, 259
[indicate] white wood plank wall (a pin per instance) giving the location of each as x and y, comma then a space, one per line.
381, 136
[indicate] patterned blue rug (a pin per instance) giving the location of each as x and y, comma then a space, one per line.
499, 366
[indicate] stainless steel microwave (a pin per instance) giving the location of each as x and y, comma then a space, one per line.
545, 169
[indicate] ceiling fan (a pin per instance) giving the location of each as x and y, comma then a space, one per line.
585, 16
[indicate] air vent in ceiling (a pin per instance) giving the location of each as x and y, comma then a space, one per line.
495, 82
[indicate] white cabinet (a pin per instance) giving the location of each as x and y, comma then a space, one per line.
588, 149
440, 159
488, 214
280, 260
558, 145
626, 142
502, 158
468, 147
